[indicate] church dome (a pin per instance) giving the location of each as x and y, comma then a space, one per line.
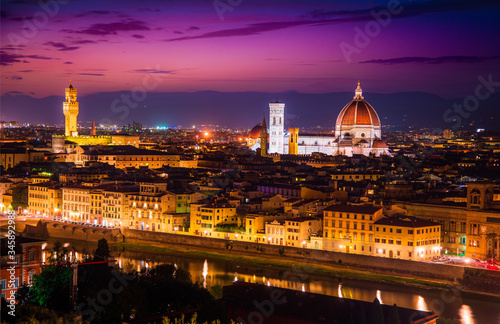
255, 132
358, 112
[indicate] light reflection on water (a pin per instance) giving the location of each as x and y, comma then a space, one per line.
421, 304
211, 272
466, 315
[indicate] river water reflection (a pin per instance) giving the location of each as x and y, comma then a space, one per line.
209, 272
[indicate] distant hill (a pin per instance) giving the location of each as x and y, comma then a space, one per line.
245, 109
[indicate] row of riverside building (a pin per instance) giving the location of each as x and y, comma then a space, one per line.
316, 223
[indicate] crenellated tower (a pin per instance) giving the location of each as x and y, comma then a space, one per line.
70, 108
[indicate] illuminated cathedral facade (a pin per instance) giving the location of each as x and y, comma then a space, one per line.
357, 131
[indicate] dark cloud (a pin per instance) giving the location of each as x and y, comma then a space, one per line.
111, 28
26, 71
432, 60
409, 9
95, 13
13, 47
149, 9
61, 46
91, 74
3, 14
254, 29
178, 32
84, 41
321, 17
153, 71
193, 28
9, 59
68, 62
14, 77
25, 2
137, 36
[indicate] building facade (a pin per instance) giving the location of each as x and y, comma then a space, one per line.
408, 238
27, 259
276, 127
45, 199
349, 228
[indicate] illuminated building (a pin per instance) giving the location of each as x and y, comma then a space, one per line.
276, 232
364, 229
204, 217
357, 127
45, 199
146, 208
472, 229
123, 156
96, 207
300, 229
408, 238
114, 206
70, 108
254, 136
62, 144
76, 203
276, 127
357, 131
349, 228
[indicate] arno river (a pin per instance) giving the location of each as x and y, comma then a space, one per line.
449, 304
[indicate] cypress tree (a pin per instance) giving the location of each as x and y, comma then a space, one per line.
376, 313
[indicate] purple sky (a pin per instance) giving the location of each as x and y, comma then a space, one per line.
253, 45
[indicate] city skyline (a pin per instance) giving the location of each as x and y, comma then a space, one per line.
439, 47
177, 63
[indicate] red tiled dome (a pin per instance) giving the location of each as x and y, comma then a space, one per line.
358, 112
255, 132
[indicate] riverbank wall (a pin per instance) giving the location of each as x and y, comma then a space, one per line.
71, 231
305, 257
473, 279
